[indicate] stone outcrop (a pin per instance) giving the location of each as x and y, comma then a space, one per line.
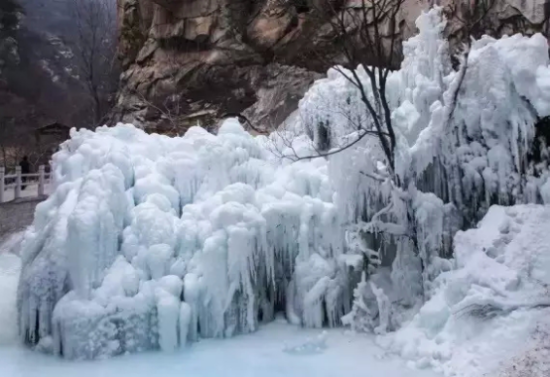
194, 61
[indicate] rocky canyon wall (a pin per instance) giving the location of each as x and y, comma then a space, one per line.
189, 62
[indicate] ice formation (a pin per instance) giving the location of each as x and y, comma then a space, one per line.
464, 142
149, 242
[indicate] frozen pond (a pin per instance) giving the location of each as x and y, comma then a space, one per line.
277, 349
272, 351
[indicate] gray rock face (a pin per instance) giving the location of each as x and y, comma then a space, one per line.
189, 61
10, 19
38, 77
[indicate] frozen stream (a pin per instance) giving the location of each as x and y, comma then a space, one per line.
277, 349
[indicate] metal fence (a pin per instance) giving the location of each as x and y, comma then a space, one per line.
18, 182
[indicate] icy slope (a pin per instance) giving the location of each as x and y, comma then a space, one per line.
489, 308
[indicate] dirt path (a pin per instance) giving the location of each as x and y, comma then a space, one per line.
16, 216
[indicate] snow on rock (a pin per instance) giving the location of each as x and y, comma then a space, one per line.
459, 152
487, 308
470, 149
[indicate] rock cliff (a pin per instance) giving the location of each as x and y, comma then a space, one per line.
38, 80
194, 61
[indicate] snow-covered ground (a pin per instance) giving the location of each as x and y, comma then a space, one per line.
278, 349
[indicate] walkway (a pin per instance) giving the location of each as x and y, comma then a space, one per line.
17, 215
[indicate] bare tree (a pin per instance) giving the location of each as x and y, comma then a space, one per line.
169, 110
95, 45
362, 33
7, 133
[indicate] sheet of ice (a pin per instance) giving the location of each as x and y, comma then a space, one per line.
259, 354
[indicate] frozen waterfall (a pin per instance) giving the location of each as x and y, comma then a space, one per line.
150, 242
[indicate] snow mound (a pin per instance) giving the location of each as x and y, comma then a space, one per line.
488, 307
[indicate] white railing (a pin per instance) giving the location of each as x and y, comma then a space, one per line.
35, 183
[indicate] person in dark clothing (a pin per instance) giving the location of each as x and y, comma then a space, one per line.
25, 169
